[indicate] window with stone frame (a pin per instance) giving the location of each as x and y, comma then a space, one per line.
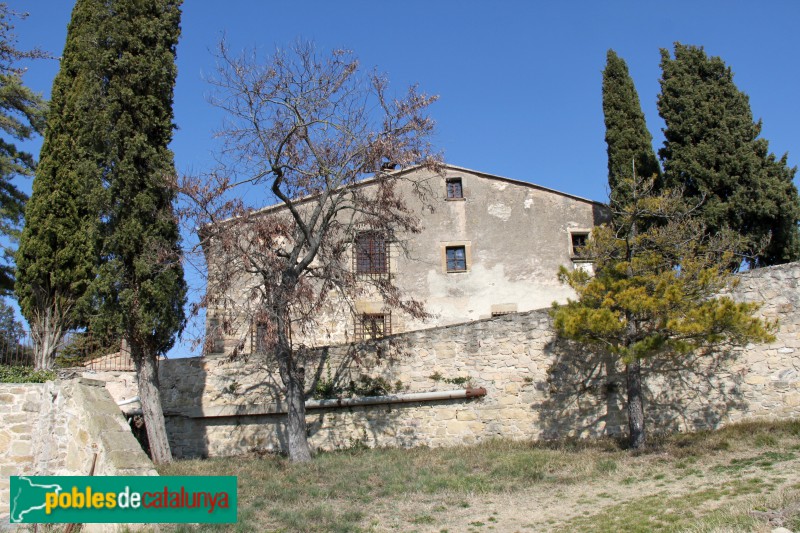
373, 326
456, 257
455, 190
371, 255
578, 242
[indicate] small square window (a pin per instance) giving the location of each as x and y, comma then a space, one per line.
579, 242
454, 189
456, 258
373, 326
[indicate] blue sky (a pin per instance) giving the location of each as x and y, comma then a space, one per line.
519, 81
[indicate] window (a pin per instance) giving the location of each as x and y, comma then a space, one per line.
454, 189
371, 255
579, 241
503, 309
258, 341
215, 337
373, 326
456, 258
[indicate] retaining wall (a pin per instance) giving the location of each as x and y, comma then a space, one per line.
57, 428
537, 386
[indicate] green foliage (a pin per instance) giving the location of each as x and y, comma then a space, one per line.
712, 151
11, 331
59, 245
13, 348
84, 346
655, 291
24, 374
458, 381
21, 117
105, 158
627, 137
363, 386
140, 283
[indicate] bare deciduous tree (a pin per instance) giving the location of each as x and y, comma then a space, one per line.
321, 139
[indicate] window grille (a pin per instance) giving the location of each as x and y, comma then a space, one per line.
373, 326
258, 343
371, 254
215, 336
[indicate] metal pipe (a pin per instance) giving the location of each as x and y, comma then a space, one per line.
332, 403
397, 398
129, 400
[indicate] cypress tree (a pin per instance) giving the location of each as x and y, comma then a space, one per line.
58, 246
712, 151
630, 145
140, 282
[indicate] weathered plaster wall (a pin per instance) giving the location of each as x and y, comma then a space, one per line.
516, 234
57, 428
537, 387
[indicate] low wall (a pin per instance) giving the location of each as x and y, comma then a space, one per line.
537, 386
57, 428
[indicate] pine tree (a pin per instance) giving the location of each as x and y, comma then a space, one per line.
712, 151
630, 145
140, 281
58, 248
21, 117
655, 293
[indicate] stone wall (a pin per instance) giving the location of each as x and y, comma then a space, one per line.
537, 387
57, 428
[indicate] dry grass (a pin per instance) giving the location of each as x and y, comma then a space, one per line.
705, 481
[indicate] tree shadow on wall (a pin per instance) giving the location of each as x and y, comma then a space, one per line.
585, 392
355, 370
245, 432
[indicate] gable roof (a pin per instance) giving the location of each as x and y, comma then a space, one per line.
456, 168
519, 182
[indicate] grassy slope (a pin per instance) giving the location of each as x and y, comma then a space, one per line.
702, 482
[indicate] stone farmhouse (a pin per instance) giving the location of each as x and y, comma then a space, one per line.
491, 246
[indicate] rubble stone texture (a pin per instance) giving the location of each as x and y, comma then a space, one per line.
537, 387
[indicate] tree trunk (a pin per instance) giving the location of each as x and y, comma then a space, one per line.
297, 432
633, 372
44, 351
293, 378
147, 378
46, 332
